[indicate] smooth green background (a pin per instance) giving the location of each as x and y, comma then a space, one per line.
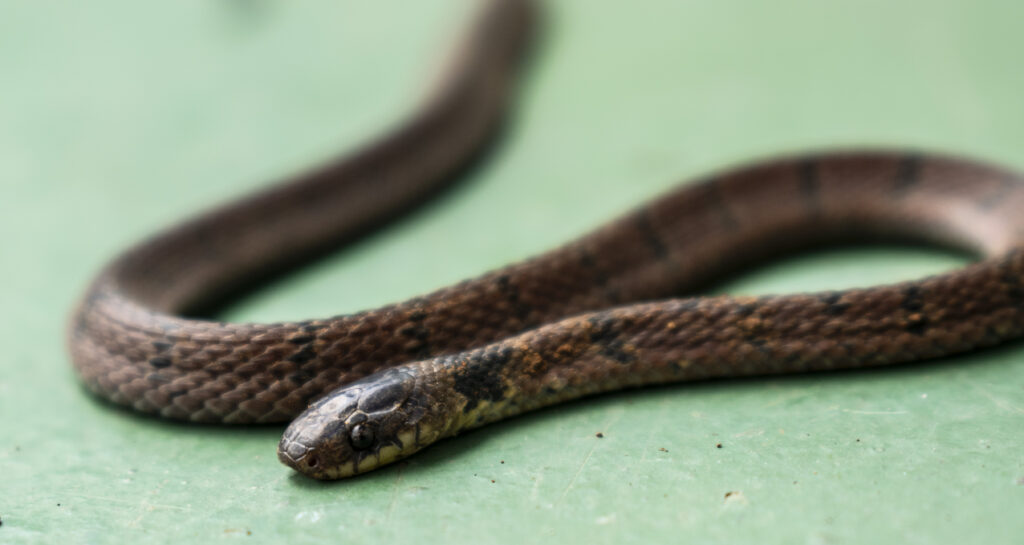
119, 117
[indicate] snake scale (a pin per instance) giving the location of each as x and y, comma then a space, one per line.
601, 313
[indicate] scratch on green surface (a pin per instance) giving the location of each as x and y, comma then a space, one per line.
997, 401
877, 413
607, 429
649, 444
143, 504
784, 397
576, 475
535, 489
395, 486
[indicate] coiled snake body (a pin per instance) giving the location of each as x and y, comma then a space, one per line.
595, 315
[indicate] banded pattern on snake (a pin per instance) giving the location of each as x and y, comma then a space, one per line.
601, 313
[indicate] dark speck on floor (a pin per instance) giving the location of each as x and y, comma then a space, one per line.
600, 435
719, 445
663, 449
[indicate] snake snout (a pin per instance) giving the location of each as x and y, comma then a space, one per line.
302, 449
317, 443
294, 454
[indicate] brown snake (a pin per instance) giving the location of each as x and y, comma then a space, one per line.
594, 315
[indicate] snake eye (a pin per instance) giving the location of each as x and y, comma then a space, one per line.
361, 437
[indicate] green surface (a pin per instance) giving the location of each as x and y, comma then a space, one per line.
117, 118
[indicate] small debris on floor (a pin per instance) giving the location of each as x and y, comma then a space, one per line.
600, 435
735, 498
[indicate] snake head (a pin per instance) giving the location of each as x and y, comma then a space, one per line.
358, 427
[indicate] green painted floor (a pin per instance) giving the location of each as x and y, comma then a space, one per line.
119, 117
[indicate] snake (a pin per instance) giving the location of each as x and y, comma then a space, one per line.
614, 309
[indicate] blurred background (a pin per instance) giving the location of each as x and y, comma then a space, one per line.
119, 118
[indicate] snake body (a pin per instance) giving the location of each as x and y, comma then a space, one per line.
600, 313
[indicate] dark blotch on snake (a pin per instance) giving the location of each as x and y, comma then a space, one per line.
301, 376
480, 378
907, 175
654, 241
303, 356
809, 183
832, 305
303, 339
